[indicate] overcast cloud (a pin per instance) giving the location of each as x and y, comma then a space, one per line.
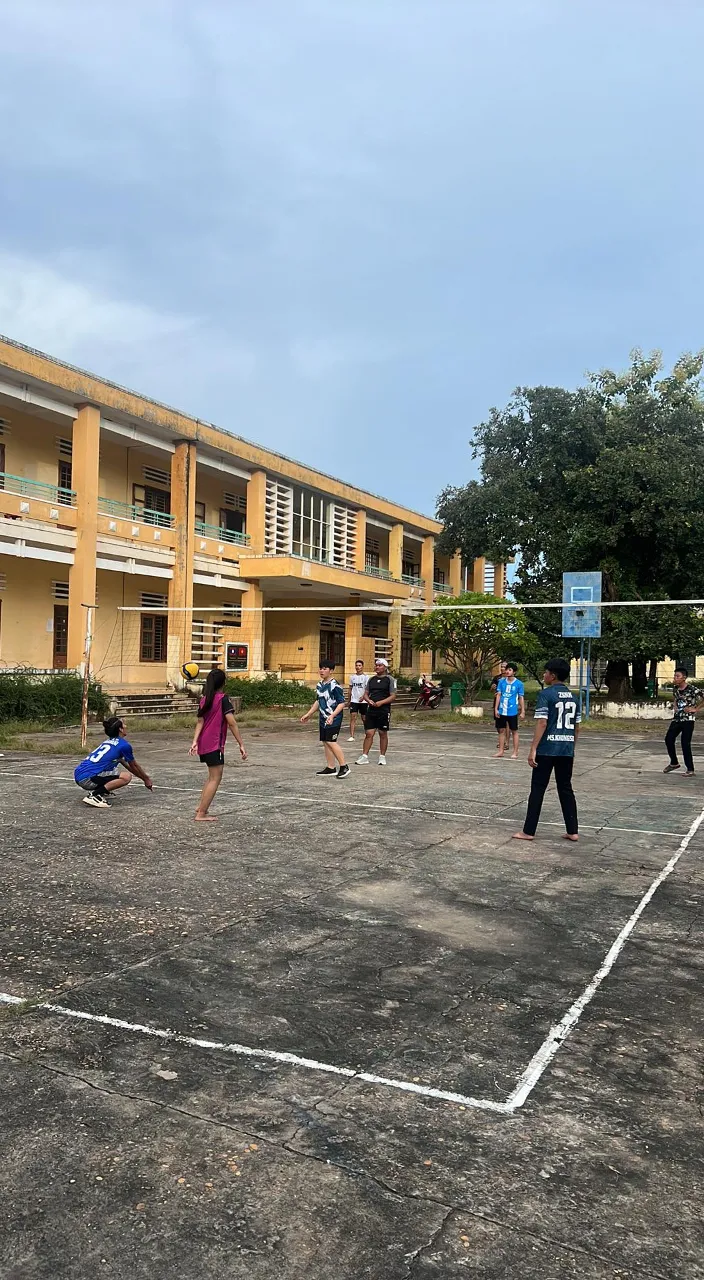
346, 228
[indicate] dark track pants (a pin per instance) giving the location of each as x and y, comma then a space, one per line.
538, 786
686, 728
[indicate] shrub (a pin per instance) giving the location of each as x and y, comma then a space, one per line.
269, 692
32, 695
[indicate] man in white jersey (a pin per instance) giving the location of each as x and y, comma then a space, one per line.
358, 685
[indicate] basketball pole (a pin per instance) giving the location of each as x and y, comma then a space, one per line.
90, 609
581, 675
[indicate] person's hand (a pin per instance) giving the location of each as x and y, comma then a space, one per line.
522, 715
243, 753
304, 719
149, 784
193, 749
532, 760
329, 719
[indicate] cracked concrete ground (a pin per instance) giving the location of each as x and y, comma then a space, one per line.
342, 924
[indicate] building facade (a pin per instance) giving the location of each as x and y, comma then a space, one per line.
111, 500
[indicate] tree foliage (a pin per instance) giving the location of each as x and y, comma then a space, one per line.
472, 641
605, 477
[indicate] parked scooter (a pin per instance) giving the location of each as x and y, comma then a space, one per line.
431, 695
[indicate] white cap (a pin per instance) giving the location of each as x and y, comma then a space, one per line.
380, 662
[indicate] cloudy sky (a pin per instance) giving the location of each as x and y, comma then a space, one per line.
346, 228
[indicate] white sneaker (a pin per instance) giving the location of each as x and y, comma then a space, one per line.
96, 802
362, 759
382, 759
350, 739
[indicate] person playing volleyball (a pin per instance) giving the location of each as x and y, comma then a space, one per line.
215, 716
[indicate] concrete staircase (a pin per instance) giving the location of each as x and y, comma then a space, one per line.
151, 702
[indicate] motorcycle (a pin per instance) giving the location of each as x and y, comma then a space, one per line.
431, 695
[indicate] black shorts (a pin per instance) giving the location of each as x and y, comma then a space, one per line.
358, 708
213, 757
330, 732
98, 782
377, 717
511, 721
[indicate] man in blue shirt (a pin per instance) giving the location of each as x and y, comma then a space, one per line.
557, 726
329, 703
509, 705
99, 775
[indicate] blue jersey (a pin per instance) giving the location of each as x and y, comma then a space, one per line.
509, 692
558, 705
330, 697
104, 759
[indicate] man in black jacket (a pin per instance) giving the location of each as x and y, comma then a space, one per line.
379, 694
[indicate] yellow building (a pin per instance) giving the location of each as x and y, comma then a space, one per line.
110, 499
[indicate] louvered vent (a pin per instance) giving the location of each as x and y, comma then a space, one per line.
154, 475
3, 581
329, 622
236, 501
4, 428
65, 447
59, 591
153, 600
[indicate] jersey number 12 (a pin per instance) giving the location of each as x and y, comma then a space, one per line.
566, 712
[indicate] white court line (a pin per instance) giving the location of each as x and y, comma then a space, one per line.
527, 1081
281, 797
558, 1034
270, 1055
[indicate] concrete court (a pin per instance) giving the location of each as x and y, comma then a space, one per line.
338, 923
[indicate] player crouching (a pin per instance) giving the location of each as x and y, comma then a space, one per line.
98, 774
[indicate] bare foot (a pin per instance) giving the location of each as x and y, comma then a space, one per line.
521, 835
515, 755
205, 817
568, 837
498, 755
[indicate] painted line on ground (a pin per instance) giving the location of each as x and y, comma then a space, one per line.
516, 1099
559, 1033
281, 797
269, 1055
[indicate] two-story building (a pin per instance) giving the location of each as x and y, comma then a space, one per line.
183, 534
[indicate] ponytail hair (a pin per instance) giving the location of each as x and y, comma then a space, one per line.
214, 682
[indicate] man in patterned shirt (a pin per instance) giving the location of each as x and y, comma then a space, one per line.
687, 701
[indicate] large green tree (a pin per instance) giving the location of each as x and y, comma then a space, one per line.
606, 477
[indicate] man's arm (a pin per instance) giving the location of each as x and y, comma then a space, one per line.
497, 699
522, 707
309, 712
540, 727
338, 710
139, 772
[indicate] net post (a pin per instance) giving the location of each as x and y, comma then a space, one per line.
589, 676
581, 675
88, 645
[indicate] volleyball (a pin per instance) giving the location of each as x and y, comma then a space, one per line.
190, 670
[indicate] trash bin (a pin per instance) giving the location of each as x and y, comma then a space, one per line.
457, 694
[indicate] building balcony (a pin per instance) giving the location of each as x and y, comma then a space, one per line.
21, 499
441, 589
218, 534
135, 515
412, 580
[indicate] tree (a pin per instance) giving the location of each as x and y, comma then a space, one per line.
605, 477
471, 641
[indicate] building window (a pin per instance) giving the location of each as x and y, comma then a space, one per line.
309, 525
439, 576
375, 625
150, 503
409, 569
406, 650
65, 479
152, 638
200, 513
371, 559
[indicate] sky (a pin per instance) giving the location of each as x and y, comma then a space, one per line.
346, 228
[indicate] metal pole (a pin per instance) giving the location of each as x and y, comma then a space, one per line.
589, 677
581, 675
89, 608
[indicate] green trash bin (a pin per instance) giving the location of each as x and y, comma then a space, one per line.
457, 694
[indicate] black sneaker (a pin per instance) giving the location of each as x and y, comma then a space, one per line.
343, 771
326, 772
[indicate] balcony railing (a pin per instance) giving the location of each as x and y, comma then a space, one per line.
411, 580
222, 535
36, 489
375, 571
138, 515
441, 589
